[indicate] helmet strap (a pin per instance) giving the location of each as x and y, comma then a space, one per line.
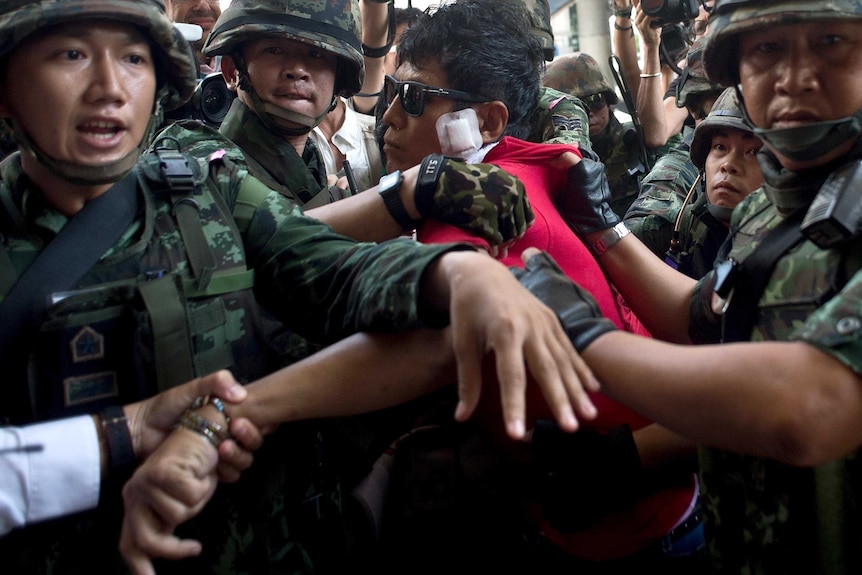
269, 113
811, 141
80, 174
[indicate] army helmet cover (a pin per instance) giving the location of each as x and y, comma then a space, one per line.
730, 18
176, 64
726, 112
578, 74
331, 25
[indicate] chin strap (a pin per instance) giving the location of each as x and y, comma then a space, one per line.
270, 114
808, 142
82, 174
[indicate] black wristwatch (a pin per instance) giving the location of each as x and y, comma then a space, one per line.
115, 426
390, 191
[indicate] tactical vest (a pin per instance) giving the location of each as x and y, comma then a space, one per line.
171, 301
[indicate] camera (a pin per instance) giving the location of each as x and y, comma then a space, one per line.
209, 103
670, 11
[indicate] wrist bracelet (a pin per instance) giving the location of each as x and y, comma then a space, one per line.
618, 27
609, 238
194, 421
653, 75
215, 402
426, 182
623, 12
118, 438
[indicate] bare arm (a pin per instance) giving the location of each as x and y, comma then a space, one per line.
783, 400
625, 47
375, 29
658, 294
650, 96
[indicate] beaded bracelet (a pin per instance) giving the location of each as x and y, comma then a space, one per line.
194, 421
623, 12
211, 400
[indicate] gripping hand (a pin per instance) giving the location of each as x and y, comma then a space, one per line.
480, 198
584, 203
579, 313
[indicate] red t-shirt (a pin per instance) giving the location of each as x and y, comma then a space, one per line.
621, 533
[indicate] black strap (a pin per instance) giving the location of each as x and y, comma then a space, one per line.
754, 274
78, 246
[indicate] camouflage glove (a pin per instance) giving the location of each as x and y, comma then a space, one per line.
578, 311
584, 203
585, 475
479, 198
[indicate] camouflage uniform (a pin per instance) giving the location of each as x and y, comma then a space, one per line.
285, 514
617, 146
560, 119
764, 516
702, 230
652, 216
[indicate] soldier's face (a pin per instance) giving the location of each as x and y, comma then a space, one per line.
292, 75
731, 169
84, 93
794, 75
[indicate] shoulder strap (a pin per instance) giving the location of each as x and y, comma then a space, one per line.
754, 273
78, 246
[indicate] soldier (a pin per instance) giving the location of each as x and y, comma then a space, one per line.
652, 215
615, 142
724, 149
777, 407
125, 274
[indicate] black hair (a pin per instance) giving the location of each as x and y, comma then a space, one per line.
486, 48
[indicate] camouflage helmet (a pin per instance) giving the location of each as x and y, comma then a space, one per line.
331, 25
730, 18
578, 74
726, 113
176, 64
693, 81
539, 14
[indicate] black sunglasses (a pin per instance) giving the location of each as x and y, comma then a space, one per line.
595, 101
412, 95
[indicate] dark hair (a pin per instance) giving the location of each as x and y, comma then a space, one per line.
485, 47
410, 16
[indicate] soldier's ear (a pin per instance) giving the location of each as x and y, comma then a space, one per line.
229, 71
493, 118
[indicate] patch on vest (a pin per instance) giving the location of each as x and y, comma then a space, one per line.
91, 387
87, 344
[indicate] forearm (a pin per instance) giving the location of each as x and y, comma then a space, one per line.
650, 100
625, 48
364, 217
659, 295
781, 400
362, 373
375, 33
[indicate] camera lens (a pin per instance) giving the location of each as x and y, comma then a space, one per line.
215, 99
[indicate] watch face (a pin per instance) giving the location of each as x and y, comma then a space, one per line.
389, 180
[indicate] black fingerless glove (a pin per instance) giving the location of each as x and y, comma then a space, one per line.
480, 198
584, 203
585, 475
578, 311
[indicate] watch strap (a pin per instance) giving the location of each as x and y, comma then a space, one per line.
609, 238
118, 438
390, 191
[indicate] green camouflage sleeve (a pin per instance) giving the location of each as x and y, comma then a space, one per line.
652, 215
482, 199
321, 284
560, 119
834, 327
327, 286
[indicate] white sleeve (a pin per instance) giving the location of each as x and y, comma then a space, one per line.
48, 470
